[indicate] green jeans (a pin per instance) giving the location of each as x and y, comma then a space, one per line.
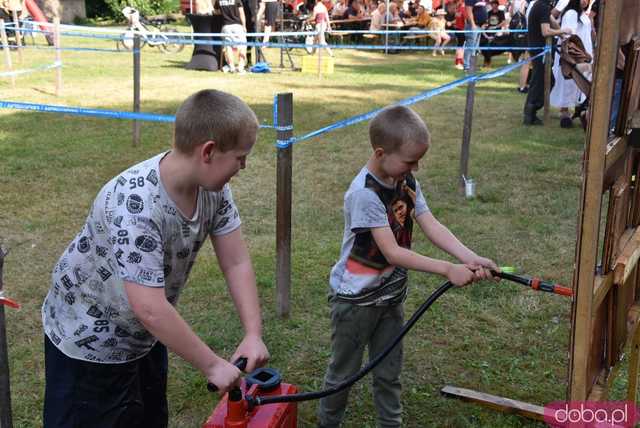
353, 328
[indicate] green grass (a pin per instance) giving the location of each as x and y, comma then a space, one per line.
497, 338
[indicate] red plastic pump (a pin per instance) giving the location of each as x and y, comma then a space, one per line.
233, 410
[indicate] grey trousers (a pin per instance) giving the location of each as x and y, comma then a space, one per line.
353, 328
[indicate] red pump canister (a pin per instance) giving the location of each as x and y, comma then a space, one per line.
233, 413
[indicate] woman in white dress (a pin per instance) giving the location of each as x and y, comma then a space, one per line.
565, 94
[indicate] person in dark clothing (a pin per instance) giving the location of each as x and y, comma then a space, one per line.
539, 27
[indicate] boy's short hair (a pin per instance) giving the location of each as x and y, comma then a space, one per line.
211, 115
396, 126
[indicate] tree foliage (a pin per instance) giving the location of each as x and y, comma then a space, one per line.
113, 8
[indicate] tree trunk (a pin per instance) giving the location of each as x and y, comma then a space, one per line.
50, 8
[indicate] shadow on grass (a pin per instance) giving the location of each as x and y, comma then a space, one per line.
173, 63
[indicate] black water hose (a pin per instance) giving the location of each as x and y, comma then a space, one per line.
305, 396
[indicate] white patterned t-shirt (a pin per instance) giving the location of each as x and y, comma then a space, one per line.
134, 232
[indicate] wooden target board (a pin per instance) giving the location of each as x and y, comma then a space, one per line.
605, 309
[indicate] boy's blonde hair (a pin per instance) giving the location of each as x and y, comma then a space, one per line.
396, 126
211, 115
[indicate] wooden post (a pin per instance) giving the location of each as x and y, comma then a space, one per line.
136, 87
589, 215
468, 125
7, 54
16, 24
632, 388
6, 420
548, 62
283, 204
56, 43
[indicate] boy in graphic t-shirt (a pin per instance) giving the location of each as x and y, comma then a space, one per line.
369, 281
110, 314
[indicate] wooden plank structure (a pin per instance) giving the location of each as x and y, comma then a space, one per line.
606, 301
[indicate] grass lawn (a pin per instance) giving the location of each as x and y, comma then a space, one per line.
497, 338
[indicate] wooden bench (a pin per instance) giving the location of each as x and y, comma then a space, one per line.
416, 38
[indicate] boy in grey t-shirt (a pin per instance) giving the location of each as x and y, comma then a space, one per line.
110, 310
369, 281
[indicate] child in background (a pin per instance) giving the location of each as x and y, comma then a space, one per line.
439, 34
369, 281
321, 18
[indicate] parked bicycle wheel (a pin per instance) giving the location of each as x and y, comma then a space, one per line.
125, 43
172, 43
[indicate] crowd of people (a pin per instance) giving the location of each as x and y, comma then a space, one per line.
459, 22
564, 18
446, 19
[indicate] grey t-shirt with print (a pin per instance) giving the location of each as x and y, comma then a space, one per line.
362, 274
134, 232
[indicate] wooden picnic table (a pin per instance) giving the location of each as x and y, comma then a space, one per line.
346, 21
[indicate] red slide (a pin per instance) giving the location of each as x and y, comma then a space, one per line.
38, 16
36, 13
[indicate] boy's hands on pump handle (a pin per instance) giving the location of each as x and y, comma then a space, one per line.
460, 275
476, 269
223, 375
482, 267
254, 350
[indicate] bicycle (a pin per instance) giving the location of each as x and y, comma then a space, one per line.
300, 23
152, 31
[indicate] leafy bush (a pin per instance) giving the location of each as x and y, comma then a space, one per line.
113, 8
98, 9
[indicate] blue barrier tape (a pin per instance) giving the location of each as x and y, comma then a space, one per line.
288, 141
362, 47
31, 70
273, 34
383, 32
412, 100
74, 49
283, 144
179, 38
78, 111
117, 33
304, 46
275, 110
71, 34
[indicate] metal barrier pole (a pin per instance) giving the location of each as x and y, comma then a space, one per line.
386, 33
468, 125
56, 43
136, 88
547, 78
6, 419
7, 54
283, 204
